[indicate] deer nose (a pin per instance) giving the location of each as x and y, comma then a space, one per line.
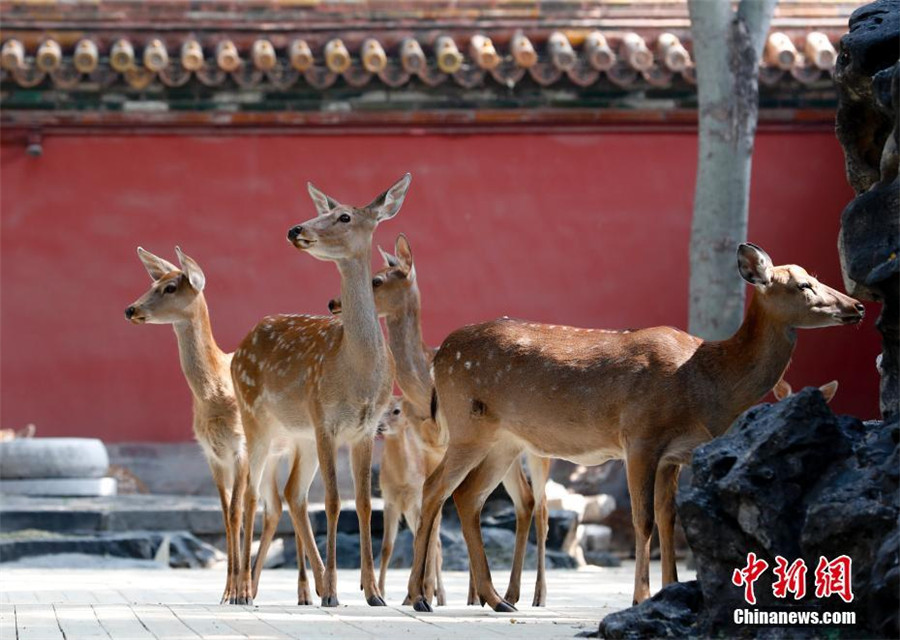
859, 307
129, 312
294, 232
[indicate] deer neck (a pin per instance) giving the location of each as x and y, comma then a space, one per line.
203, 363
409, 351
748, 364
362, 340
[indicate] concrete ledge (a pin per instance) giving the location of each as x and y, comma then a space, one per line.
200, 515
38, 458
63, 487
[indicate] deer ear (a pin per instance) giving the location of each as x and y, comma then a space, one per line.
828, 390
155, 266
324, 204
388, 203
389, 260
404, 253
754, 264
782, 390
191, 270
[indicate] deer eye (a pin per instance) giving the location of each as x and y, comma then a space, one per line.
170, 288
377, 282
344, 217
804, 285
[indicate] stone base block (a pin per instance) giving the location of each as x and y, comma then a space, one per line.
60, 487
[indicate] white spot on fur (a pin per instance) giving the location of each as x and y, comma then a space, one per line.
458, 355
468, 365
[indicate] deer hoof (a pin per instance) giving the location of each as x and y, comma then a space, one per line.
421, 605
406, 601
329, 601
246, 600
538, 602
376, 601
304, 602
511, 598
504, 607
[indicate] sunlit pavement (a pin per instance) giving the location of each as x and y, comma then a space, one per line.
50, 604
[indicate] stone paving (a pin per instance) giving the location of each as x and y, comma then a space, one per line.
137, 603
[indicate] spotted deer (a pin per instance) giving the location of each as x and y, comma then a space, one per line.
587, 395
398, 301
176, 298
316, 383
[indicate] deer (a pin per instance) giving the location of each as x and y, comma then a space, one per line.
176, 298
315, 383
398, 301
782, 390
589, 395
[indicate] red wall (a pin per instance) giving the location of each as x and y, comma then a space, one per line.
584, 229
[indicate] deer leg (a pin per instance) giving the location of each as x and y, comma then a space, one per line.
235, 514
219, 477
361, 458
469, 498
664, 498
472, 598
296, 492
437, 552
516, 485
272, 508
457, 462
257, 454
641, 471
540, 471
327, 451
391, 520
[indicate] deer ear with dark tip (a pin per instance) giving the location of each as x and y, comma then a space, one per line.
155, 266
754, 264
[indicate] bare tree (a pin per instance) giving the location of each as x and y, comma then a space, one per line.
727, 48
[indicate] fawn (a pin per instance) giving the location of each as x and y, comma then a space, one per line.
176, 298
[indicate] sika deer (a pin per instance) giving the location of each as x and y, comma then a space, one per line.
315, 383
397, 299
585, 395
176, 298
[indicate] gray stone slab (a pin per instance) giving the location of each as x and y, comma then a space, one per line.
53, 458
200, 515
63, 487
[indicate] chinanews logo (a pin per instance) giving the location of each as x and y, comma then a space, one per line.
832, 578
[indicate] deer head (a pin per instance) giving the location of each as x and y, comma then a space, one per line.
394, 285
174, 291
792, 296
392, 421
341, 231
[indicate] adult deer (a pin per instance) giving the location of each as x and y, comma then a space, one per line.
648, 396
316, 383
398, 301
176, 298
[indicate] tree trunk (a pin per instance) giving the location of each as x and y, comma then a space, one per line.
727, 49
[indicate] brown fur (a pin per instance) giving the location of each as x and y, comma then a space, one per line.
586, 395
